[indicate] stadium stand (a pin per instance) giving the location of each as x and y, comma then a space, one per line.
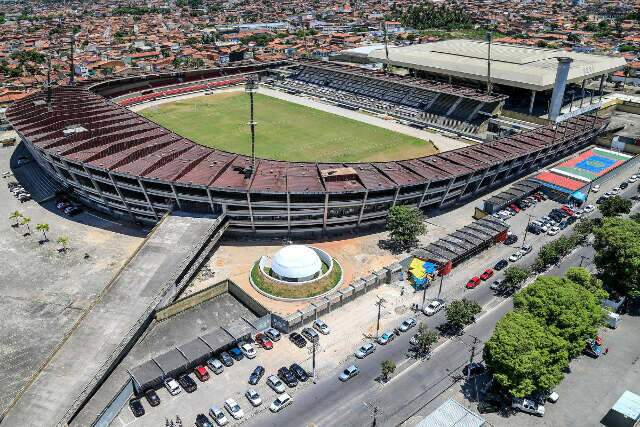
459, 109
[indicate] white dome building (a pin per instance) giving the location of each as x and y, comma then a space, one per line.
296, 263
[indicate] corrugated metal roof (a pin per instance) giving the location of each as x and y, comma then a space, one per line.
452, 414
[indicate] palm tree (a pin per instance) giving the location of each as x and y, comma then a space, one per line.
43, 228
15, 215
63, 241
25, 221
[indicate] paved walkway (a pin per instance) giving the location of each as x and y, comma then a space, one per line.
98, 334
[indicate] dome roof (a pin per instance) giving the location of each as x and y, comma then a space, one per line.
296, 262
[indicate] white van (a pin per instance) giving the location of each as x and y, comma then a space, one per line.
613, 319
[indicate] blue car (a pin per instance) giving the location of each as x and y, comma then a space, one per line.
236, 353
386, 338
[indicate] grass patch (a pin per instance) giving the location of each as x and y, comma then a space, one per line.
285, 131
296, 291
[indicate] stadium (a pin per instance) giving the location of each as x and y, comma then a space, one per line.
117, 161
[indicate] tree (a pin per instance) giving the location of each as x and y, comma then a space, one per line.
583, 229
461, 313
425, 339
25, 221
617, 246
43, 228
405, 224
387, 367
524, 355
569, 310
514, 277
582, 277
16, 215
615, 206
63, 241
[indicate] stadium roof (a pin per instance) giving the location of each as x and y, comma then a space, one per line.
511, 65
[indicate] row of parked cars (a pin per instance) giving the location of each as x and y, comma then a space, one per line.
558, 219
514, 208
18, 191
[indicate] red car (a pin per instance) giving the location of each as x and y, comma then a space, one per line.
567, 210
472, 283
514, 207
201, 373
264, 342
487, 273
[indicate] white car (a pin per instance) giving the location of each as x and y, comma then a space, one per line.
172, 386
516, 256
496, 285
595, 188
529, 406
553, 231
234, 409
321, 327
365, 350
407, 324
433, 307
281, 402
633, 178
525, 249
218, 416
349, 373
544, 228
589, 208
248, 350
253, 397
553, 397
615, 190
275, 384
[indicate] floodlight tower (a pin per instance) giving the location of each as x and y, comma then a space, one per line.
489, 84
251, 87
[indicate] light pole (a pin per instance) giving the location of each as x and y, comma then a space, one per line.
251, 87
379, 303
489, 37
526, 230
440, 288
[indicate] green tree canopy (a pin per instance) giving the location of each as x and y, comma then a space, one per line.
405, 224
565, 308
387, 367
617, 245
460, 313
514, 277
582, 277
425, 339
614, 206
524, 355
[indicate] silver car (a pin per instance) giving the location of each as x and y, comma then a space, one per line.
434, 306
365, 350
275, 384
349, 373
407, 324
321, 327
253, 397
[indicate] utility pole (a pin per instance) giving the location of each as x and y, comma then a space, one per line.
380, 304
424, 295
582, 258
440, 288
526, 230
375, 410
313, 361
386, 45
489, 88
251, 87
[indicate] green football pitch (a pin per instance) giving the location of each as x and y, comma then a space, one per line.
285, 131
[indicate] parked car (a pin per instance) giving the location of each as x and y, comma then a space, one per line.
407, 324
253, 397
349, 373
595, 188
297, 339
233, 408
226, 359
187, 383
216, 366
218, 416
321, 327
529, 406
275, 384
300, 373
287, 376
281, 402
386, 338
203, 421
515, 208
236, 353
433, 307
511, 239
525, 249
553, 231
365, 350
136, 407
501, 264
256, 375
310, 334
273, 334
515, 256
589, 208
473, 282
623, 185
486, 274
633, 178
172, 386
201, 373
496, 285
247, 349
600, 200
152, 397
263, 341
